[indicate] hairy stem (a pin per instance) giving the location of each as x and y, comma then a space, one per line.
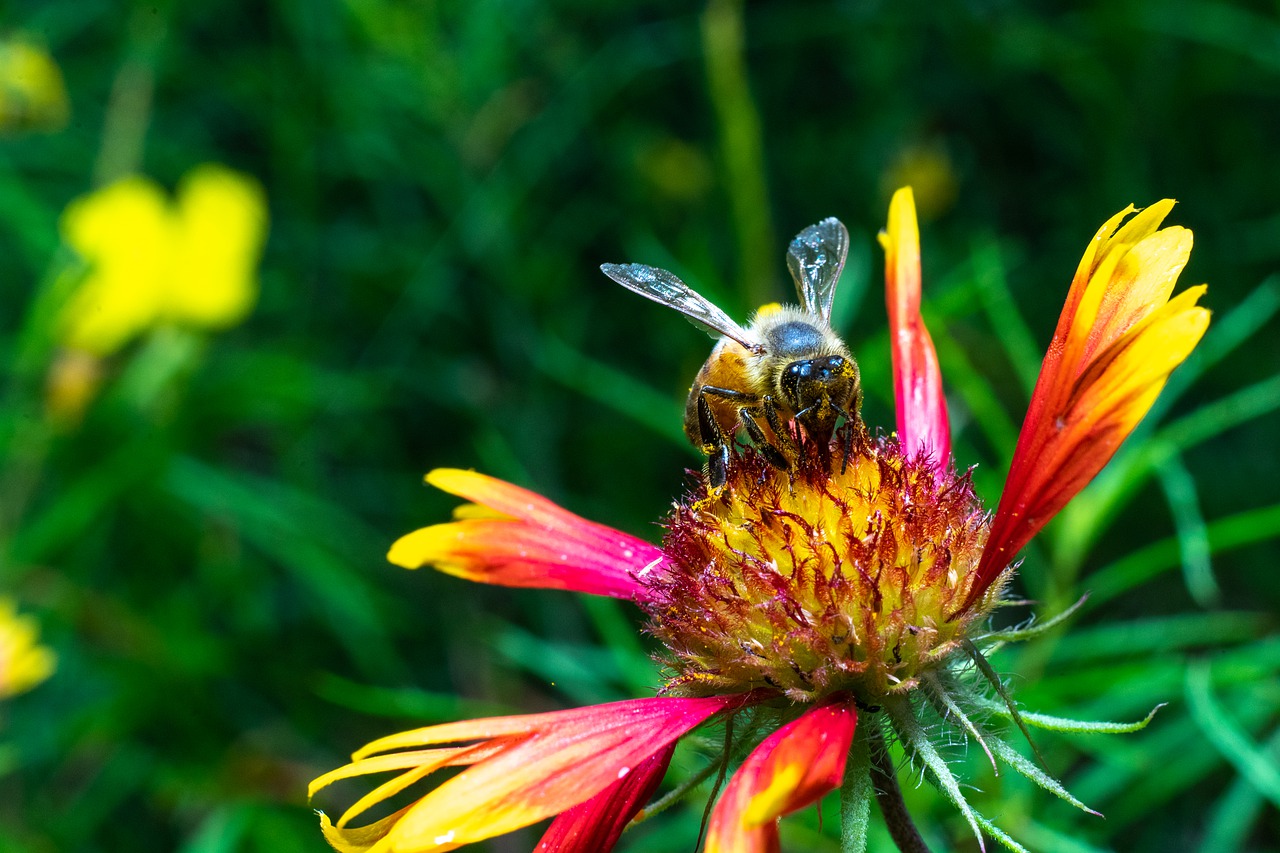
889, 797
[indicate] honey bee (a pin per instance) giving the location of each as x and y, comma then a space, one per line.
786, 365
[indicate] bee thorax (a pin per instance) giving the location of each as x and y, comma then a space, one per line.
794, 338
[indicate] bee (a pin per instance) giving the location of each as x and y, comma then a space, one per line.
786, 365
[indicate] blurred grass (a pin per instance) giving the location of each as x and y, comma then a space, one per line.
205, 550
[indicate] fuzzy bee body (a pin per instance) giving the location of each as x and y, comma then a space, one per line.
786, 365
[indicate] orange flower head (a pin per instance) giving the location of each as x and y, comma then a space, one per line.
817, 580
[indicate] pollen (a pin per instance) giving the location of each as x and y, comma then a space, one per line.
835, 575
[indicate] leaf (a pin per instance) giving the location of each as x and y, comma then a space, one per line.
1193, 537
1231, 742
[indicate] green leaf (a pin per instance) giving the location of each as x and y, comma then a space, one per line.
582, 672
974, 388
222, 831
407, 703
1125, 777
309, 537
1226, 736
997, 302
1193, 537
614, 388
1234, 814
632, 664
1159, 634
1047, 839
1234, 531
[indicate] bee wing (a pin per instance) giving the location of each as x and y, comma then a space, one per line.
665, 287
815, 258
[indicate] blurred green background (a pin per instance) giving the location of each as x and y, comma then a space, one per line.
204, 547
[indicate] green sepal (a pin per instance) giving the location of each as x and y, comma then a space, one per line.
1063, 724
941, 696
1028, 769
916, 740
1000, 835
993, 678
1017, 635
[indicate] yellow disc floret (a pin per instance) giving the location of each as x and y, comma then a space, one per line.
834, 575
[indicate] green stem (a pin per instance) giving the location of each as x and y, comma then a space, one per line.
741, 143
129, 104
715, 789
856, 792
889, 797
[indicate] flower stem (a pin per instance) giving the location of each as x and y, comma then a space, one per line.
856, 792
889, 797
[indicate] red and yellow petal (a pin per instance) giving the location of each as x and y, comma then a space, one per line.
520, 769
1117, 341
596, 825
510, 536
923, 426
792, 768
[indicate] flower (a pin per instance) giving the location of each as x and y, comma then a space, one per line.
828, 606
928, 168
33, 95
24, 663
189, 262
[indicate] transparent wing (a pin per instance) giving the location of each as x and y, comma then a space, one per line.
667, 288
815, 258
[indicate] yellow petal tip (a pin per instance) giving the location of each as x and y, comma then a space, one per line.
417, 549
453, 480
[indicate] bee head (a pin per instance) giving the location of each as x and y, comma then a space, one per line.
821, 390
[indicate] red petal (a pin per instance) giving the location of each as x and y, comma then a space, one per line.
526, 768
792, 768
917, 379
596, 825
525, 540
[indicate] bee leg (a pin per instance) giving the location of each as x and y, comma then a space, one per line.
768, 449
713, 438
713, 444
780, 430
848, 436
729, 394
848, 447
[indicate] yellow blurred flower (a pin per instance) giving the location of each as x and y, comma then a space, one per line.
190, 262
927, 168
32, 93
24, 663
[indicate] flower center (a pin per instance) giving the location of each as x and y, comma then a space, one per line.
823, 578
